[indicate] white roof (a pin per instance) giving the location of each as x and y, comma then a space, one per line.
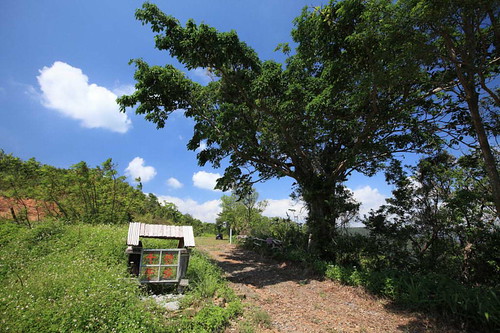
136, 230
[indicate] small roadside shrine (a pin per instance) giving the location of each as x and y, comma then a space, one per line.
162, 266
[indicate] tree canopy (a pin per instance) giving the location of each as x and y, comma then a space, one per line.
343, 102
241, 213
459, 45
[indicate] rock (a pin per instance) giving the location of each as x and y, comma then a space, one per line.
170, 302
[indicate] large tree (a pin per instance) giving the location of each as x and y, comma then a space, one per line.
461, 40
342, 102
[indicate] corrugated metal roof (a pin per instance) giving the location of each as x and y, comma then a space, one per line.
136, 230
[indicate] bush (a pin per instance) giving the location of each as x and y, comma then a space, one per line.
475, 306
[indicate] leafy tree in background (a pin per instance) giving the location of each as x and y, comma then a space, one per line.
253, 208
343, 103
17, 181
439, 219
459, 45
83, 194
241, 212
54, 188
231, 216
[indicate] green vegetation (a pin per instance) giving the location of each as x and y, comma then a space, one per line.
83, 194
476, 306
440, 219
208, 284
253, 319
58, 277
367, 81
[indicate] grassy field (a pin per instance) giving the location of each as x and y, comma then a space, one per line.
74, 278
210, 241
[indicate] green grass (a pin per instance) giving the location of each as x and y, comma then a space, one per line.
209, 240
154, 243
69, 278
74, 278
253, 320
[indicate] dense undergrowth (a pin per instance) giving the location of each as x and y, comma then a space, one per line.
472, 306
74, 278
475, 307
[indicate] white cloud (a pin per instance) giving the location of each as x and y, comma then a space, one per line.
136, 168
205, 180
200, 75
127, 89
67, 90
282, 207
370, 198
206, 211
179, 113
203, 146
174, 183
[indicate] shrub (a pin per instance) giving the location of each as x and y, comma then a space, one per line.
475, 306
204, 277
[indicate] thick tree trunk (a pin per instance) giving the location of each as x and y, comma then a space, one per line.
323, 228
325, 207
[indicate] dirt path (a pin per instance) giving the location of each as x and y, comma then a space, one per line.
297, 302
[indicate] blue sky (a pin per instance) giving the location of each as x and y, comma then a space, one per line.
63, 63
